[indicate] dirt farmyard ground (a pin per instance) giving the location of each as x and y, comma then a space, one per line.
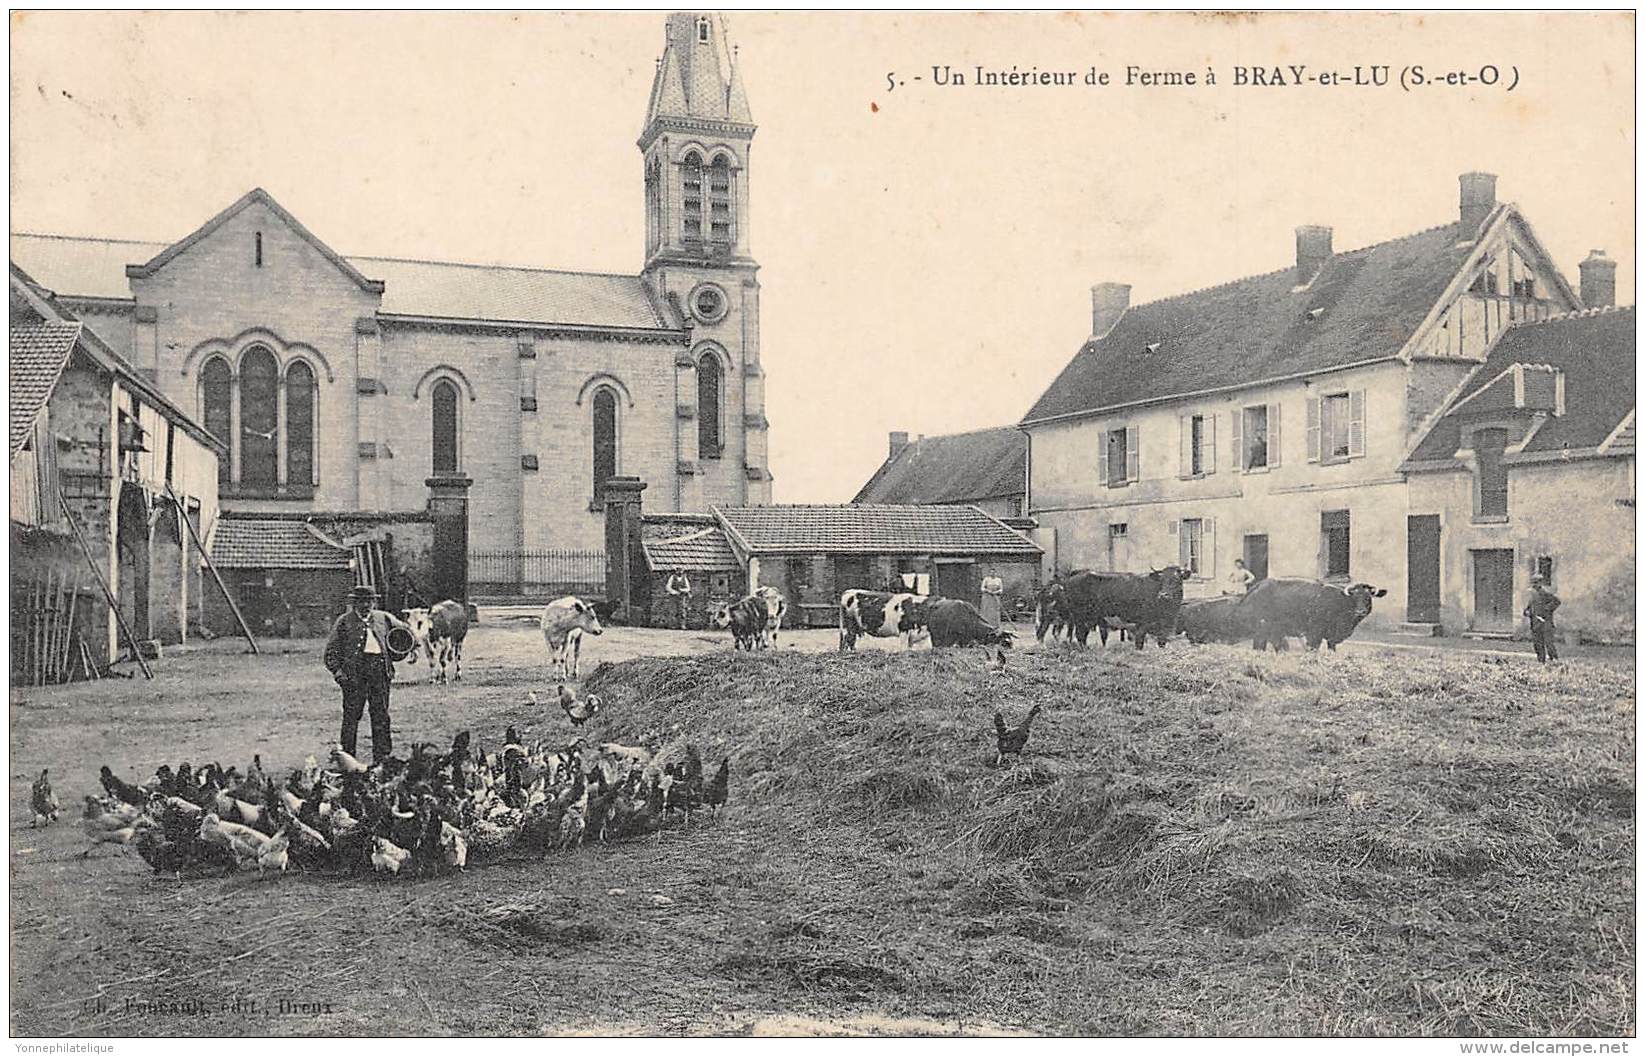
1199, 841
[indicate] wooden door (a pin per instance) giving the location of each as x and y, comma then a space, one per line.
1256, 556
1422, 568
1494, 590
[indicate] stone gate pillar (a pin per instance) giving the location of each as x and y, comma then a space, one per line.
627, 589
448, 504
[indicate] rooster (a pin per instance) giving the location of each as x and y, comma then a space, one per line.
579, 712
43, 801
1013, 739
122, 790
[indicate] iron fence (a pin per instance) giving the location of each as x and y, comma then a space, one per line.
535, 573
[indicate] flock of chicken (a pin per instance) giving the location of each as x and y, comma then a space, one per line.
433, 812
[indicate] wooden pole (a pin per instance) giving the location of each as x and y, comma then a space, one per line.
108, 595
182, 515
68, 630
49, 624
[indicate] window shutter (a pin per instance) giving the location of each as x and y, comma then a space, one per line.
1132, 459
1313, 429
1208, 548
1356, 423
1183, 547
1102, 459
1185, 446
1208, 458
1273, 434
1239, 435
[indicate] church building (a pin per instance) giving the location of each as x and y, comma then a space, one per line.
349, 386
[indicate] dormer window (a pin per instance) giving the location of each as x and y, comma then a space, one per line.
702, 31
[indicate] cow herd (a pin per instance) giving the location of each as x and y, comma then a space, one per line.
1152, 605
1135, 605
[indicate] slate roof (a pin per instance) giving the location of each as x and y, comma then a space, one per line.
870, 529
705, 550
523, 295
274, 543
85, 267
38, 353
953, 468
1595, 351
1364, 304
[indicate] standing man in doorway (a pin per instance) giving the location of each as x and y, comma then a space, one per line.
1541, 611
1241, 579
679, 589
358, 657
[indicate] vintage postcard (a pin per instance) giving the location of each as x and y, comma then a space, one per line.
823, 523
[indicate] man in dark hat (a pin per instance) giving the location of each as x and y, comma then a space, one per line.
358, 657
1541, 611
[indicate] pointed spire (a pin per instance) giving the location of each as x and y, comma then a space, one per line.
697, 75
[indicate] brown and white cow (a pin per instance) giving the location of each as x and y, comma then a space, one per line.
881, 615
748, 620
775, 606
440, 632
564, 622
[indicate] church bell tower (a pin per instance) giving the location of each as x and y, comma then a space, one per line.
695, 147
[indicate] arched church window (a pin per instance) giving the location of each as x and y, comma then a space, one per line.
605, 438
692, 186
719, 200
445, 426
217, 410
709, 441
300, 424
259, 418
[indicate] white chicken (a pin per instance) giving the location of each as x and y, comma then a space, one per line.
388, 857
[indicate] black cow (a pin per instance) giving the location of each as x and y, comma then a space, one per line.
1213, 620
1315, 611
747, 619
1149, 603
955, 622
1050, 610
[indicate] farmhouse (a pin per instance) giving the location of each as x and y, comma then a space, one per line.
1271, 418
1530, 472
109, 481
810, 553
497, 399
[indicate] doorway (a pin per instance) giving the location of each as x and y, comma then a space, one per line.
1422, 568
1256, 555
1493, 590
955, 580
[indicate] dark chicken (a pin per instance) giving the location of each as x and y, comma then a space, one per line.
1013, 739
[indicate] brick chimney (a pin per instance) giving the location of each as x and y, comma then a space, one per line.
1313, 250
1108, 303
1478, 198
899, 441
1598, 280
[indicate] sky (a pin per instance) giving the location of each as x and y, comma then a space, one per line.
926, 252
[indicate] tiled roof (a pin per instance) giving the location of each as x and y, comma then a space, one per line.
274, 543
1364, 304
516, 295
1594, 350
870, 529
38, 353
956, 468
82, 267
704, 550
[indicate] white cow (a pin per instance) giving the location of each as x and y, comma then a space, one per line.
775, 606
440, 632
564, 621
